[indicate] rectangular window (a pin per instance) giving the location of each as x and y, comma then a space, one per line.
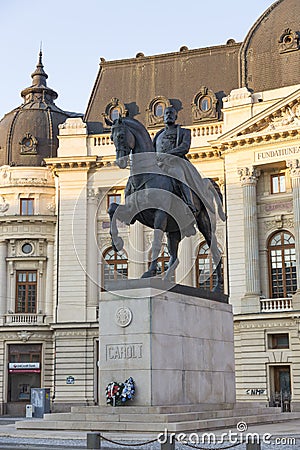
278, 341
278, 183
113, 198
26, 292
26, 206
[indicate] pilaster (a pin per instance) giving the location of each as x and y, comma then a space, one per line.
294, 167
3, 284
92, 254
49, 280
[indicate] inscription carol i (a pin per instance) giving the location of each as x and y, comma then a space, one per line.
124, 351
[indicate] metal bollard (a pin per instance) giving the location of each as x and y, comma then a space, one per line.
169, 445
252, 446
93, 441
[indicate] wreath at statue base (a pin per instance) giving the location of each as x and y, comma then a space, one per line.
117, 394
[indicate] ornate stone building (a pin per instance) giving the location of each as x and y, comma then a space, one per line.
242, 104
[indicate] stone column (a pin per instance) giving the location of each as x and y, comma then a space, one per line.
92, 252
248, 178
49, 281
184, 272
294, 167
136, 266
3, 279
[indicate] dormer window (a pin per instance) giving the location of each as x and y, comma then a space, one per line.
28, 145
204, 105
156, 109
115, 109
289, 41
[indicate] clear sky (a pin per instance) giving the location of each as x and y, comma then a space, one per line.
75, 34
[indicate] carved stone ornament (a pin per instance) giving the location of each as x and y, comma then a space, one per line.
248, 175
204, 105
286, 118
123, 316
3, 205
289, 41
155, 110
24, 335
28, 145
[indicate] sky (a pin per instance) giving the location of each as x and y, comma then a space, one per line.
75, 34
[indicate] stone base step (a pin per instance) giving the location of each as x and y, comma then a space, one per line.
158, 427
122, 415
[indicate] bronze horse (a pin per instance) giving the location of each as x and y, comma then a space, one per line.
153, 198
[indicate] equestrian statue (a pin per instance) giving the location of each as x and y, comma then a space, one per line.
164, 191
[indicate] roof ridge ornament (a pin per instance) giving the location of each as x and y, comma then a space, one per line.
38, 91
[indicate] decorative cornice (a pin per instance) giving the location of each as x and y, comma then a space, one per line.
71, 163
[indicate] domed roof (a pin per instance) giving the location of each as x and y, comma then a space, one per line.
270, 54
28, 134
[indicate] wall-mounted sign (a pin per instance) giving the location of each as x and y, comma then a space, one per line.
24, 367
276, 153
70, 380
256, 391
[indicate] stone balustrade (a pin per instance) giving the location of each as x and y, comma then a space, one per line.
24, 319
276, 304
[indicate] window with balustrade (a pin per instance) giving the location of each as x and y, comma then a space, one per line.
116, 265
282, 265
206, 276
26, 291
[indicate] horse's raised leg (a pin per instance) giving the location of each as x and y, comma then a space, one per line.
173, 243
116, 240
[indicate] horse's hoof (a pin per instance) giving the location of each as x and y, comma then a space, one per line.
118, 244
218, 288
149, 274
167, 276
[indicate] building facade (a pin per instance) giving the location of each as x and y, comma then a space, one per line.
241, 102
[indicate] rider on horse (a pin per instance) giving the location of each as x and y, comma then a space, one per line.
174, 140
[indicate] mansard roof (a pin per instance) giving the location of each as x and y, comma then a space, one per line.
270, 54
176, 76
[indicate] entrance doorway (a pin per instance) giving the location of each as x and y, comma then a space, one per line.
24, 373
280, 387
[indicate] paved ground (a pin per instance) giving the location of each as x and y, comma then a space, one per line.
285, 436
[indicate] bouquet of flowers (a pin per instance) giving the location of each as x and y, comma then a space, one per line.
113, 392
128, 390
117, 394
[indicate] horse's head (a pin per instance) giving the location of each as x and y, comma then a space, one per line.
124, 141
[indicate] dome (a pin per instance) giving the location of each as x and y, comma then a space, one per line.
270, 54
28, 134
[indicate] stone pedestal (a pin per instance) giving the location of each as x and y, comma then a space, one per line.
175, 341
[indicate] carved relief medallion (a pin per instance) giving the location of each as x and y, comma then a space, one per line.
123, 316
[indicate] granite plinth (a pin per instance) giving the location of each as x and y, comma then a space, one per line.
176, 344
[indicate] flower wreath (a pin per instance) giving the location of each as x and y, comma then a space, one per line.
117, 394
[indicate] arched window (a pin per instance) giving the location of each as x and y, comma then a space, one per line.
116, 265
282, 265
206, 277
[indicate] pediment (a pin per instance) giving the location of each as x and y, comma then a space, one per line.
278, 121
